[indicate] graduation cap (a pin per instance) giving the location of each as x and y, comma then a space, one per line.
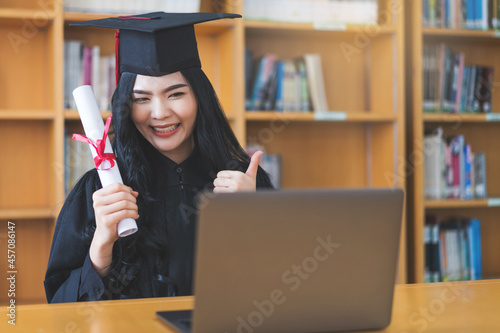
155, 44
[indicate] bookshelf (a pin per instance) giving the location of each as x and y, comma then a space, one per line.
365, 149
482, 131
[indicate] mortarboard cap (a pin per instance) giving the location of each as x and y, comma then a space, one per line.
155, 44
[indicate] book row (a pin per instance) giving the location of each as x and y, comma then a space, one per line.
83, 65
132, 6
461, 14
452, 249
451, 169
451, 85
284, 85
307, 11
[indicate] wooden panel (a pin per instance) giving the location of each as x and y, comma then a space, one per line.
227, 67
344, 68
436, 308
32, 247
382, 77
25, 178
221, 6
217, 56
386, 12
315, 154
415, 182
209, 56
24, 4
384, 157
105, 38
23, 79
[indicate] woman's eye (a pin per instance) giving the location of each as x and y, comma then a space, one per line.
177, 94
140, 100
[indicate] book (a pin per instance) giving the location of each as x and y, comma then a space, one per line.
316, 82
260, 85
457, 155
292, 85
133, 7
457, 82
474, 236
463, 92
249, 77
310, 11
428, 252
460, 14
451, 86
271, 163
304, 104
84, 65
433, 168
452, 249
280, 76
464, 247
484, 89
434, 248
467, 187
451, 168
479, 174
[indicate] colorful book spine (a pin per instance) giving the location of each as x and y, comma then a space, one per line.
452, 249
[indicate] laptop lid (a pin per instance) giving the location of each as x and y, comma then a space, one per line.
296, 260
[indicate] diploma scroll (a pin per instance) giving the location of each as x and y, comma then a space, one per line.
94, 130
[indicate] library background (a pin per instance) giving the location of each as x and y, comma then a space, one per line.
338, 93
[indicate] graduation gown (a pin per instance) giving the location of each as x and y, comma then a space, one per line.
70, 276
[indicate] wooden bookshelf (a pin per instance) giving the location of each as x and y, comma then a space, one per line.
363, 149
362, 143
482, 131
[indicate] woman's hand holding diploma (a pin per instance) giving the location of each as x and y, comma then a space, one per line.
112, 204
115, 204
235, 181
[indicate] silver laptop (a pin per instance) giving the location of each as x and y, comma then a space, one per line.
294, 261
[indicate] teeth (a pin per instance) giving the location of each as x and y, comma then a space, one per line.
166, 129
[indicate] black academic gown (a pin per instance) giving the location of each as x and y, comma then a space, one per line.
70, 276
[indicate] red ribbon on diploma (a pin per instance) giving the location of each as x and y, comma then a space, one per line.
99, 146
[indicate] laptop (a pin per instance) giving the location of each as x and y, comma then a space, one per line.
319, 260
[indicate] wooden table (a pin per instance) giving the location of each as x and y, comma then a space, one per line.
438, 307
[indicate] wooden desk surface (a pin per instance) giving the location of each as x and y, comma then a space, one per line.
438, 307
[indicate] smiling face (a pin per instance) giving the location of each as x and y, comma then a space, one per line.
164, 111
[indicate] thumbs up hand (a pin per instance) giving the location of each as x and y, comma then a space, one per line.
235, 181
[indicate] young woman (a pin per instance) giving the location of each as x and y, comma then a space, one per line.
171, 141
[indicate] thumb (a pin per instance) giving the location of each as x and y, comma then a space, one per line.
254, 165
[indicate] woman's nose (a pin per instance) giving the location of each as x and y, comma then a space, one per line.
160, 109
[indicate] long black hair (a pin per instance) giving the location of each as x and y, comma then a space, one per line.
217, 144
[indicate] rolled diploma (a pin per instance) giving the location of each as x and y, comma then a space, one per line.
94, 129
